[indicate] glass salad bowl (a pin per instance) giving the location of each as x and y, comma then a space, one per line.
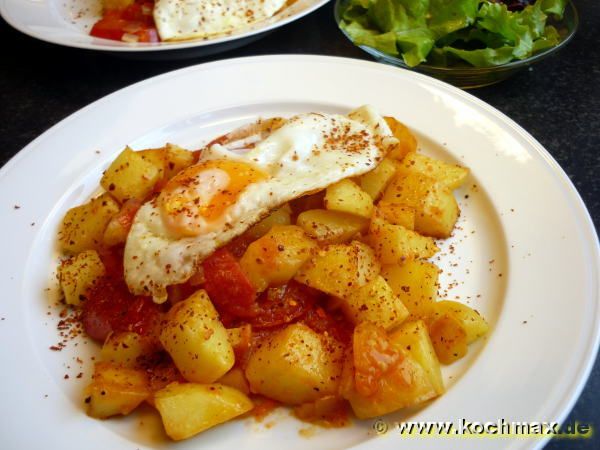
466, 76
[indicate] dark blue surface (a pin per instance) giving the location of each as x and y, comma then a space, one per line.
557, 101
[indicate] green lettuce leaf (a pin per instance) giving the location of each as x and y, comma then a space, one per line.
485, 57
443, 32
385, 42
556, 7
447, 16
392, 24
551, 38
415, 45
417, 8
356, 11
496, 18
392, 15
534, 18
471, 39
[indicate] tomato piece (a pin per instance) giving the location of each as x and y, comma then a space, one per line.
218, 140
241, 347
127, 213
373, 357
135, 19
109, 27
179, 292
141, 316
114, 29
160, 184
112, 258
229, 320
139, 11
161, 371
110, 307
237, 247
196, 155
132, 12
228, 286
282, 305
333, 323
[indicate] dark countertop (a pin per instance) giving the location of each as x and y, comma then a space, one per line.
558, 102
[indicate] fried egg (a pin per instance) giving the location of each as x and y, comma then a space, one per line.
237, 181
192, 19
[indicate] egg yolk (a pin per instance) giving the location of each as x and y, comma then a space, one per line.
192, 201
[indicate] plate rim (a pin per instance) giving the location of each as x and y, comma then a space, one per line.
570, 395
161, 46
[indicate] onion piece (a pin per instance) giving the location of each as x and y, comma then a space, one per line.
132, 27
131, 38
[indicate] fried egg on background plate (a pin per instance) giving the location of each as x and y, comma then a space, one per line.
231, 188
193, 19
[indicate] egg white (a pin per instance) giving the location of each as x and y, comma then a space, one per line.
193, 19
300, 157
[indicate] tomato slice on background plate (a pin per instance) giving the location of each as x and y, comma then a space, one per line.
133, 23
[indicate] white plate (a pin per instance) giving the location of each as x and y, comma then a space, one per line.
522, 212
68, 22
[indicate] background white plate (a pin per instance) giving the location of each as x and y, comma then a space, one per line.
68, 22
525, 252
